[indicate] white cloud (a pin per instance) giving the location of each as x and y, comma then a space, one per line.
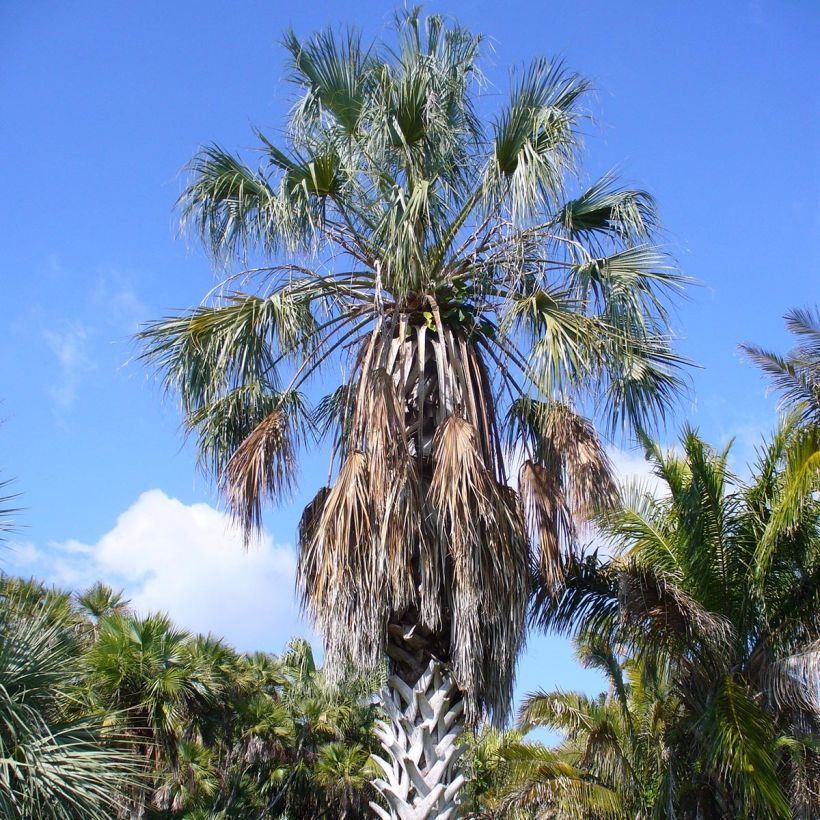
188, 561
70, 346
630, 466
24, 554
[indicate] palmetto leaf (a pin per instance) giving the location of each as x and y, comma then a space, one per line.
54, 764
334, 72
231, 206
605, 208
216, 348
534, 142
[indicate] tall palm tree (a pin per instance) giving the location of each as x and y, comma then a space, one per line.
476, 298
718, 591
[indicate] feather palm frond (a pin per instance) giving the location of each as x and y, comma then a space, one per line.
795, 376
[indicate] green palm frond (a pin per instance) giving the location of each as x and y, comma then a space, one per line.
740, 739
795, 376
335, 73
607, 210
232, 207
55, 764
100, 600
535, 138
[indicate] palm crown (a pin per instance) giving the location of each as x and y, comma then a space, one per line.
475, 298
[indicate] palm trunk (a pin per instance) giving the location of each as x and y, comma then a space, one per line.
421, 776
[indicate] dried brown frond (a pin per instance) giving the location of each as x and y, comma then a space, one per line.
480, 523
548, 519
650, 604
310, 557
418, 523
380, 428
588, 482
262, 466
341, 577
790, 681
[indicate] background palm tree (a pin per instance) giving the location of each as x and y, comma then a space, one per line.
716, 593
796, 376
59, 760
100, 601
617, 743
150, 672
512, 778
476, 298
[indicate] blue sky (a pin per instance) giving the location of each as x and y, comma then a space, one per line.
711, 106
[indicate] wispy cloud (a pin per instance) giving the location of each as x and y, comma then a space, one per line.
70, 346
23, 555
116, 297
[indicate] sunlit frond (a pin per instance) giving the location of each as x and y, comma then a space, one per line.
607, 211
56, 764
535, 138
335, 71
232, 207
795, 376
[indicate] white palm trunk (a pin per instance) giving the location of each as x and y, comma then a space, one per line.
421, 778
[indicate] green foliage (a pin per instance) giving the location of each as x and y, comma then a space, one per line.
706, 626
57, 759
105, 713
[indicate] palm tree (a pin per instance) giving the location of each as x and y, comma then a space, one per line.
100, 601
343, 771
328, 763
59, 761
618, 743
717, 592
147, 670
476, 299
512, 778
796, 376
489, 764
